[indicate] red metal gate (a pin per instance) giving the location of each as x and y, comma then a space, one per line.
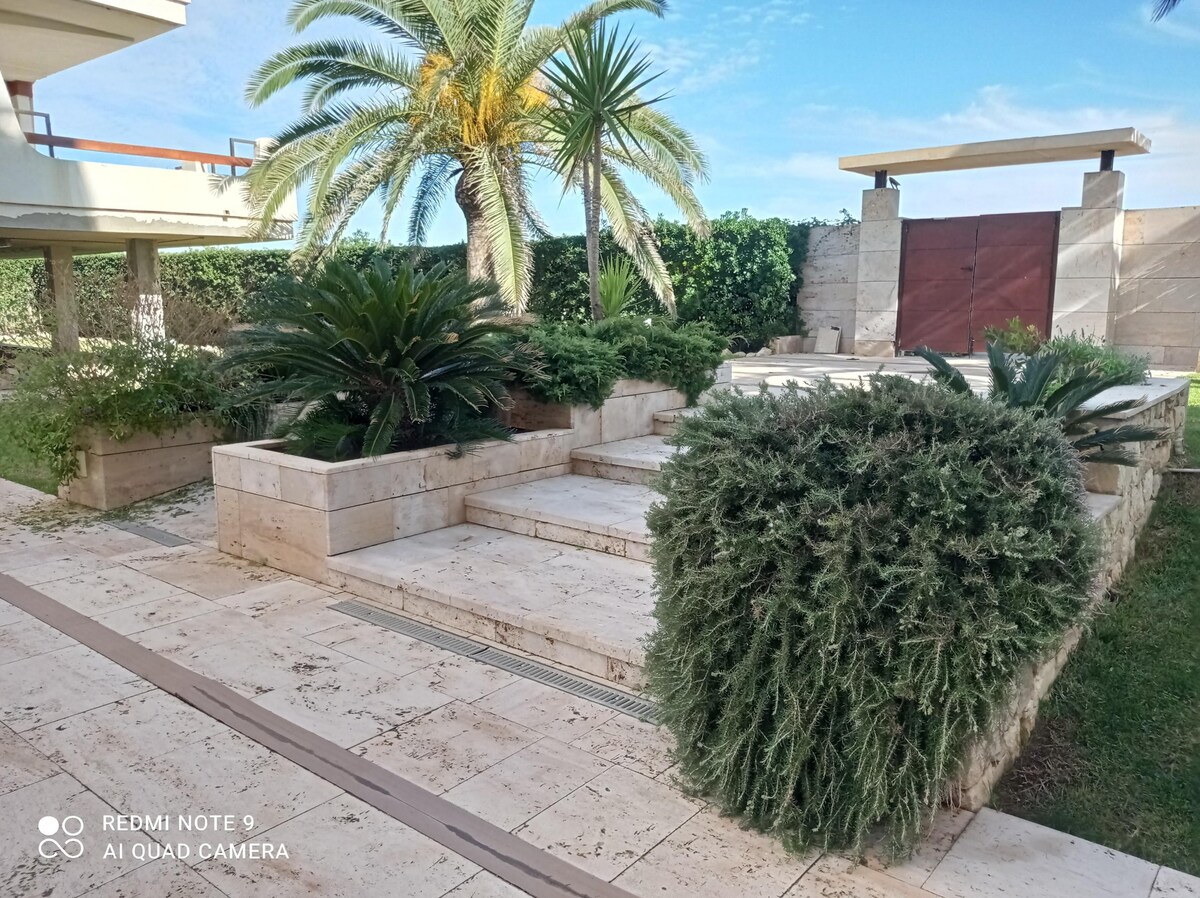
961, 275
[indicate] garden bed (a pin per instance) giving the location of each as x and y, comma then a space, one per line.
293, 513
114, 472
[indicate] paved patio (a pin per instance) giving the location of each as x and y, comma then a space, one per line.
82, 736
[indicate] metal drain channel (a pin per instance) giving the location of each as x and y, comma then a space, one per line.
522, 667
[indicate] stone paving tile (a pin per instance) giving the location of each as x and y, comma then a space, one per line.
154, 555
998, 855
1174, 884
259, 660
223, 774
278, 596
712, 857
389, 651
309, 618
59, 684
836, 877
99, 743
159, 879
485, 885
194, 633
448, 746
610, 822
17, 553
107, 590
23, 872
948, 825
106, 540
82, 563
631, 743
353, 703
20, 763
214, 575
551, 712
345, 849
525, 784
462, 678
10, 614
156, 613
29, 638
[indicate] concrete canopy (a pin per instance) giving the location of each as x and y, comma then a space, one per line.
994, 153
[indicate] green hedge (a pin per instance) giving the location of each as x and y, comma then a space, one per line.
848, 583
743, 280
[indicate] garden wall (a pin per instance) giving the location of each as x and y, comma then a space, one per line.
1121, 499
1158, 298
829, 283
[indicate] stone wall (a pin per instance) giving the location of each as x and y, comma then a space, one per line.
1157, 305
1120, 500
829, 283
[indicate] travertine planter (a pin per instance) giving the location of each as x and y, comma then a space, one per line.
113, 473
293, 513
1120, 499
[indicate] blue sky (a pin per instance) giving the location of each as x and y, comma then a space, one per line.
774, 91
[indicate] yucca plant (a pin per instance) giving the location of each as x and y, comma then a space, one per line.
384, 360
1039, 383
618, 287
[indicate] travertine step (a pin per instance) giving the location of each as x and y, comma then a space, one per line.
664, 422
576, 607
589, 512
629, 461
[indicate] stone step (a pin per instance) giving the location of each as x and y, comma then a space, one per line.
629, 461
664, 422
605, 515
576, 607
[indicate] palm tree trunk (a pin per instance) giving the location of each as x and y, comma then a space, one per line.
478, 263
592, 210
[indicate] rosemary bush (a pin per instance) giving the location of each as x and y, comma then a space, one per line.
848, 582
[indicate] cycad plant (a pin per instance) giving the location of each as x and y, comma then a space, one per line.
383, 360
452, 97
1040, 384
597, 124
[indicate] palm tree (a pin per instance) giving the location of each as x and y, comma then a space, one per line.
1164, 7
452, 96
596, 123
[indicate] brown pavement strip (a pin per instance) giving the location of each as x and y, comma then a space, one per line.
539, 873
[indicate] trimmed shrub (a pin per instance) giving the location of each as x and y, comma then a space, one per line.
848, 584
1088, 350
577, 369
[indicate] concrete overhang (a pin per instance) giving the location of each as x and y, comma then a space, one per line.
41, 37
994, 153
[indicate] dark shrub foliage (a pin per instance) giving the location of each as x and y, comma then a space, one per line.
578, 369
848, 583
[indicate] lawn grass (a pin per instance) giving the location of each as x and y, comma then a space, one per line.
1115, 756
1192, 435
16, 463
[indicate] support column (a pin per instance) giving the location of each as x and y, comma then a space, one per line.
61, 277
21, 93
877, 298
1089, 257
142, 258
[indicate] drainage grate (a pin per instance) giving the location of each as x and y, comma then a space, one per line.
523, 667
162, 537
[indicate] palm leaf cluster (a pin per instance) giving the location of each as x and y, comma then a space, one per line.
383, 361
849, 583
450, 97
1039, 383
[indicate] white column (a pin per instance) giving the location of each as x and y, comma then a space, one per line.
1089, 257
877, 299
61, 277
142, 259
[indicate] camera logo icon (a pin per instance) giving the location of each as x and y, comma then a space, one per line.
70, 826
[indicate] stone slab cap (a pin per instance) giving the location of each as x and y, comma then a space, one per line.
993, 153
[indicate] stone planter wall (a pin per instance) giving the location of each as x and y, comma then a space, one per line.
113, 473
1120, 499
293, 513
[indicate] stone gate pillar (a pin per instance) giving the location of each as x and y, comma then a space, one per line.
1089, 257
877, 299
